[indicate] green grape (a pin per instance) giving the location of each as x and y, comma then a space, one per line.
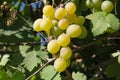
56, 31
70, 8
107, 6
89, 4
48, 10
68, 62
53, 46
71, 18
60, 13
63, 24
80, 20
65, 52
73, 30
60, 64
36, 25
83, 33
63, 39
96, 3
46, 24
54, 22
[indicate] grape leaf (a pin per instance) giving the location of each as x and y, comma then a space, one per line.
4, 59
31, 61
42, 54
115, 54
79, 76
23, 49
17, 76
49, 73
119, 58
103, 22
3, 75
113, 70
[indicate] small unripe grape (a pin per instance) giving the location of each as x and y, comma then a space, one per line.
107, 6
60, 64
68, 62
73, 31
65, 52
54, 22
80, 20
70, 7
71, 18
96, 3
53, 46
48, 10
60, 13
83, 33
63, 40
36, 25
56, 31
46, 24
63, 24
89, 4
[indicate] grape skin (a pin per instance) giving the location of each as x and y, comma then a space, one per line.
107, 6
60, 13
60, 64
63, 39
70, 8
73, 30
65, 52
63, 24
36, 25
53, 46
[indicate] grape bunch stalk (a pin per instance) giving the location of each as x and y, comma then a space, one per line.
63, 24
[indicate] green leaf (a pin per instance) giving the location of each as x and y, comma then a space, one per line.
17, 76
42, 54
115, 54
4, 59
3, 75
49, 73
119, 58
79, 76
113, 70
23, 49
31, 61
103, 22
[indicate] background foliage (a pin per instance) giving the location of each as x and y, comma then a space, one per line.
97, 57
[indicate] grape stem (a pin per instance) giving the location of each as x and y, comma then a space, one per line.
39, 69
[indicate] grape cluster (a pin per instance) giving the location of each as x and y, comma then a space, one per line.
98, 5
62, 23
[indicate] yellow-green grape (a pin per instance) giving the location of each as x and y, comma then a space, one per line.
60, 64
60, 13
73, 30
54, 22
44, 16
89, 3
53, 46
46, 24
63, 24
97, 3
107, 6
36, 25
65, 52
71, 18
80, 20
83, 33
68, 62
70, 7
63, 39
56, 31
48, 11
